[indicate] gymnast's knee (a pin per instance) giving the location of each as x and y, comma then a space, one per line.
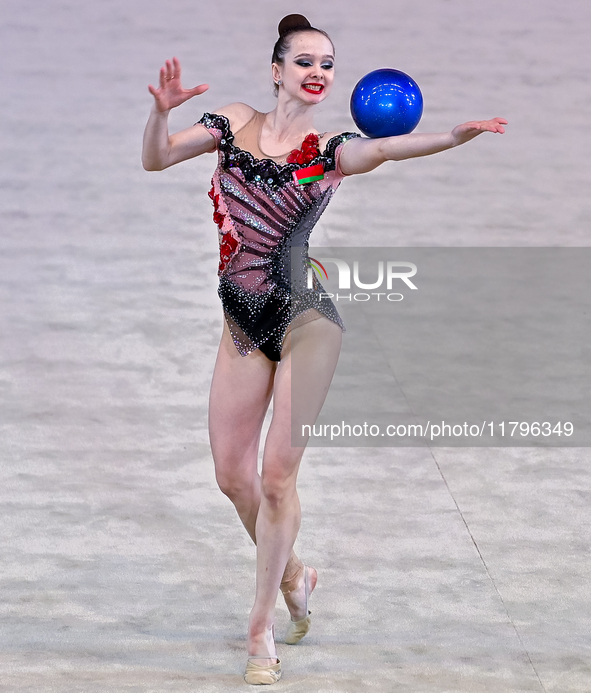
233, 484
277, 489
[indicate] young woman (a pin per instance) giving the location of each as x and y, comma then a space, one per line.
275, 176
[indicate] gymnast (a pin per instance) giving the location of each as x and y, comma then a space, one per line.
274, 177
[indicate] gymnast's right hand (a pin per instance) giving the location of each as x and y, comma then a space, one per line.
170, 93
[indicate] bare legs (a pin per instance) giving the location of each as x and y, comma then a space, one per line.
241, 391
268, 505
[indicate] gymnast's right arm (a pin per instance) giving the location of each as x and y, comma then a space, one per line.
160, 149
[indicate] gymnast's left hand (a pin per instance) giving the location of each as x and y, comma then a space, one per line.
468, 131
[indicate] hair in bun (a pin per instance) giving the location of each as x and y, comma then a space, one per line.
288, 26
293, 22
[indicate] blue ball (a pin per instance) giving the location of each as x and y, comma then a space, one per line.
385, 103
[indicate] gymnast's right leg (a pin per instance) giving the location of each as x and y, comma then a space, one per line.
241, 390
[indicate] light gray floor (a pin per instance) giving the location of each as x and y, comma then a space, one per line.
124, 568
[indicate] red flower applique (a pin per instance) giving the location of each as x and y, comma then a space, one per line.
307, 153
218, 218
228, 243
228, 246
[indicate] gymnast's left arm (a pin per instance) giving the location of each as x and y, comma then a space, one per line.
360, 154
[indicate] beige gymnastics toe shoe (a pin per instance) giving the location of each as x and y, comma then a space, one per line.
257, 674
296, 630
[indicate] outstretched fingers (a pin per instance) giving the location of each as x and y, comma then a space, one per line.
169, 71
500, 122
176, 67
161, 83
176, 74
170, 92
198, 90
493, 125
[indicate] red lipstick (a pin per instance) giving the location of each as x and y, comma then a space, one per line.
313, 87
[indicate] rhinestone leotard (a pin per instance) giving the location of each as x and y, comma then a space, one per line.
262, 214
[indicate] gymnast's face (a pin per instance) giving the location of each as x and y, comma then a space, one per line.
307, 72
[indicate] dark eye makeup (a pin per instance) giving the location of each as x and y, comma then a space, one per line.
307, 63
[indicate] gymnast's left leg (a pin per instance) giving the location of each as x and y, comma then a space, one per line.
278, 519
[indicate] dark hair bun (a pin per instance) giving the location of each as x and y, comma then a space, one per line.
293, 22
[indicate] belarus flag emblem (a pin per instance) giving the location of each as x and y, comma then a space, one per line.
309, 174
